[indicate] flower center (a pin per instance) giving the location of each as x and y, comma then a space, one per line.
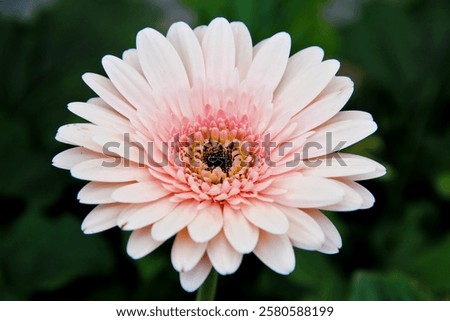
216, 155
217, 149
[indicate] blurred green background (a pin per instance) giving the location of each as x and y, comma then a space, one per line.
396, 51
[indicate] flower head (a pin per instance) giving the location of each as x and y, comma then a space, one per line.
229, 147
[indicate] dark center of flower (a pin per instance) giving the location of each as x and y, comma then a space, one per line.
213, 150
216, 155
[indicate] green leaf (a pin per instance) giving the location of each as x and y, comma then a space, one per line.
373, 286
412, 237
318, 276
442, 185
382, 42
432, 266
303, 20
150, 267
42, 254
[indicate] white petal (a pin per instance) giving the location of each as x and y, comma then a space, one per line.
258, 46
305, 192
130, 83
276, 252
98, 193
270, 62
327, 104
108, 170
82, 134
101, 218
329, 248
200, 32
122, 145
104, 87
304, 232
131, 57
350, 115
339, 165
175, 221
207, 224
137, 216
73, 156
140, 192
303, 88
186, 44
350, 202
333, 239
242, 235
301, 61
364, 193
219, 53
192, 280
379, 171
99, 102
224, 258
141, 243
186, 253
244, 48
160, 62
100, 115
266, 216
338, 133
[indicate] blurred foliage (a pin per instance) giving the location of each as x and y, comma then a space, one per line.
398, 54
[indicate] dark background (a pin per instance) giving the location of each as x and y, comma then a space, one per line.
398, 54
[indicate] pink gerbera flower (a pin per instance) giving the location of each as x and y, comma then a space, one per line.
229, 147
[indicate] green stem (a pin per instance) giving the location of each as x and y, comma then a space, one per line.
207, 291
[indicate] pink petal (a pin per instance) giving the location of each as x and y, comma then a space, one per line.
224, 258
101, 218
333, 240
219, 53
364, 193
82, 134
186, 44
101, 116
270, 62
73, 156
98, 193
98, 170
304, 232
244, 48
304, 87
185, 252
266, 216
141, 243
119, 145
379, 171
105, 89
175, 221
343, 130
326, 105
301, 61
160, 62
130, 83
200, 32
136, 216
242, 235
191, 280
276, 252
207, 224
305, 192
140, 192
352, 200
339, 165
131, 57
